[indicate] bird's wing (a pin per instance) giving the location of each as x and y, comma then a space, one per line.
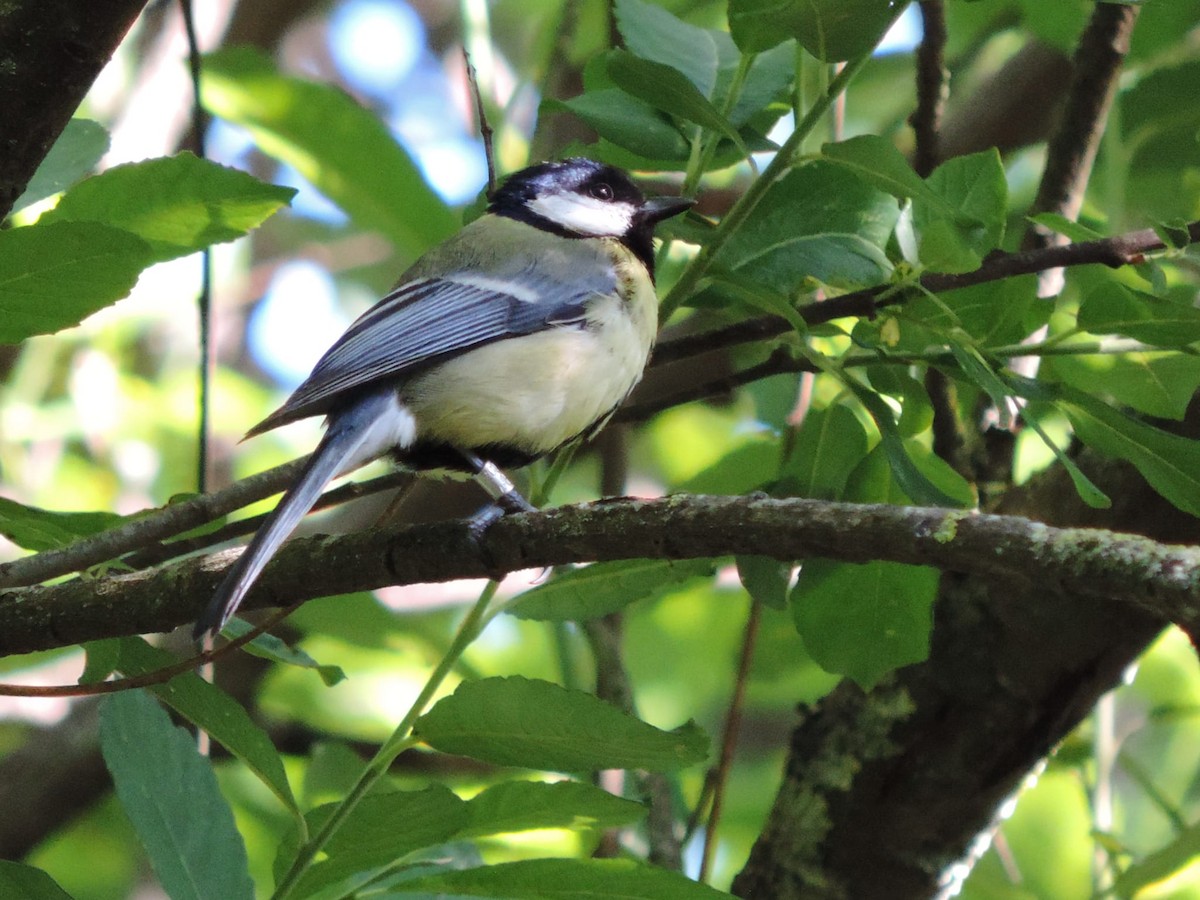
425, 320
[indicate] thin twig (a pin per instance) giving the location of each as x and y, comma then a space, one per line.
733, 723
485, 128
158, 676
932, 83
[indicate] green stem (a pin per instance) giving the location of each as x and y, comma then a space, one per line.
400, 740
738, 213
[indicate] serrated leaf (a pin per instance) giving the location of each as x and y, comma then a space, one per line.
535, 724
563, 879
73, 155
53, 276
177, 205
819, 222
45, 529
863, 621
589, 592
876, 160
341, 148
170, 794
28, 883
267, 646
208, 707
514, 806
974, 186
383, 829
653, 33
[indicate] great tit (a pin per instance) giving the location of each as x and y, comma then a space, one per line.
522, 332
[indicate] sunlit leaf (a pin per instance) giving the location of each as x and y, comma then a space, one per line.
53, 276
177, 205
73, 155
513, 806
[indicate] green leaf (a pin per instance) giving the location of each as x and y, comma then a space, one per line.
668, 90
1177, 854
535, 724
1067, 227
818, 221
54, 276
1113, 308
73, 155
589, 592
864, 621
837, 30
1156, 383
993, 314
103, 657
177, 205
44, 529
627, 122
514, 806
1088, 492
765, 579
383, 829
341, 148
563, 879
1169, 462
916, 409
208, 707
876, 160
828, 446
758, 25
912, 479
28, 883
975, 188
267, 646
653, 33
170, 794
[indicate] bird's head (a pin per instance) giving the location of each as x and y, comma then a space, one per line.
579, 197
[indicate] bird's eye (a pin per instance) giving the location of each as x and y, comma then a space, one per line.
601, 191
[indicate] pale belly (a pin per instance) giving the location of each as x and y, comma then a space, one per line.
534, 392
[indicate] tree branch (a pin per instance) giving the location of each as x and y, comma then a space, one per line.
52, 51
1162, 579
1126, 249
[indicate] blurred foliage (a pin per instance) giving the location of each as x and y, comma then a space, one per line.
98, 419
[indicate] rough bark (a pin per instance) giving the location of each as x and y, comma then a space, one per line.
52, 52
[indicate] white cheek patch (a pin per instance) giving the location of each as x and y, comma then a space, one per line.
585, 215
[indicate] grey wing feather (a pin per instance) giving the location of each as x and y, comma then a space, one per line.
417, 324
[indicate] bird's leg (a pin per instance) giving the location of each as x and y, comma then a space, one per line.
505, 496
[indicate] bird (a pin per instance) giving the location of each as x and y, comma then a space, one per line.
520, 333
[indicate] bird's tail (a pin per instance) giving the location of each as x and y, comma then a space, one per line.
349, 441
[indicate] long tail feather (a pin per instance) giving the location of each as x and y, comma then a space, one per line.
350, 441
